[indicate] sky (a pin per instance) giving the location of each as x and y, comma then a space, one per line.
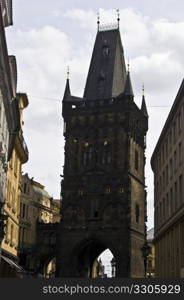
47, 36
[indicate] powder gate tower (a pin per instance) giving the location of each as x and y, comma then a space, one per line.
103, 186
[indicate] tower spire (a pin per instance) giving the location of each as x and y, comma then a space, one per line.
128, 91
143, 106
67, 92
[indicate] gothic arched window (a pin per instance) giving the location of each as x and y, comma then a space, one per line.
105, 51
106, 153
87, 154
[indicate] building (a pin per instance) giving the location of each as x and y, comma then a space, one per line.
37, 210
9, 130
6, 95
150, 270
103, 189
19, 156
168, 166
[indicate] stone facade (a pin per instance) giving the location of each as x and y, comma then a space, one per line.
19, 156
168, 167
103, 190
39, 213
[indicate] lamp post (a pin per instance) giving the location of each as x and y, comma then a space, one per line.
145, 252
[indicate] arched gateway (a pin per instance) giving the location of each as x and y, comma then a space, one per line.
103, 189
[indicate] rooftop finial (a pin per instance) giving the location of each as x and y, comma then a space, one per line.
98, 20
128, 66
68, 72
143, 89
118, 16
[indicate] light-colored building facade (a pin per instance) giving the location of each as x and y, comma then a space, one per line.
6, 96
168, 167
19, 156
36, 207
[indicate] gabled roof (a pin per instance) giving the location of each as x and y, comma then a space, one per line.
107, 71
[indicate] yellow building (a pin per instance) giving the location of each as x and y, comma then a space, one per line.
19, 156
36, 207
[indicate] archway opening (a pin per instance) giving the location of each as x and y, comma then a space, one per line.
50, 268
105, 265
94, 259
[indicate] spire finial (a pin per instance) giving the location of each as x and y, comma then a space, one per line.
68, 72
128, 66
98, 20
143, 89
118, 16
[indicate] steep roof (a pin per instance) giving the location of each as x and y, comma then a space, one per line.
128, 91
107, 71
143, 107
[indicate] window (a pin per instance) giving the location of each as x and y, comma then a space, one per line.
121, 190
163, 208
166, 147
179, 122
106, 153
175, 160
136, 160
105, 51
174, 131
23, 210
95, 208
137, 213
171, 199
171, 167
180, 153
25, 186
87, 154
107, 190
180, 188
167, 174
11, 233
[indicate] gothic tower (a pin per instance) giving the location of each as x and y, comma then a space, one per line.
103, 186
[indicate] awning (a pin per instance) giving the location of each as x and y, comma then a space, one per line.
12, 264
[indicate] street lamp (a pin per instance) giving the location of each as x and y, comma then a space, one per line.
145, 251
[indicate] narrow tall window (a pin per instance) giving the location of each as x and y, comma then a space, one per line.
137, 213
180, 189
87, 155
25, 186
180, 153
136, 160
106, 153
94, 208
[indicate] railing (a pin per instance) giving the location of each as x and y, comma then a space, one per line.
107, 27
